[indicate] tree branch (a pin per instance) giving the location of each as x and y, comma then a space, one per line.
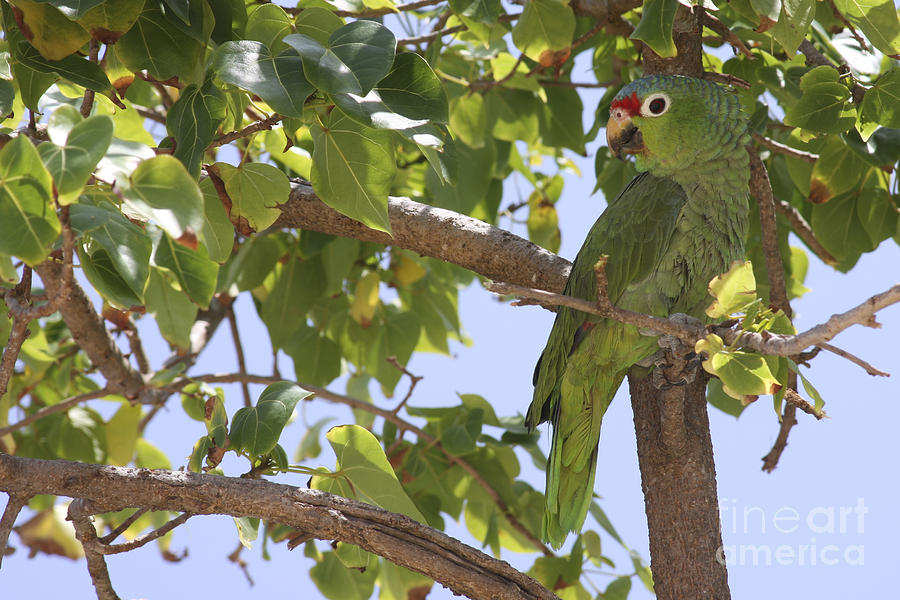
80, 516
804, 232
439, 233
14, 506
398, 538
785, 149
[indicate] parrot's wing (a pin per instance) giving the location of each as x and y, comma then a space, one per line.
634, 231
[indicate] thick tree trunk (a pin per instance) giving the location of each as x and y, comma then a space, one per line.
678, 477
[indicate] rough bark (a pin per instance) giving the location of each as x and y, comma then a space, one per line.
678, 479
487, 250
461, 568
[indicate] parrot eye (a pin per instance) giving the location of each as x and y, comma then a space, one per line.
655, 105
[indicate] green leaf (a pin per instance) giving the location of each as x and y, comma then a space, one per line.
357, 56
121, 433
253, 261
28, 222
162, 190
562, 125
71, 163
337, 582
310, 447
74, 9
837, 226
127, 245
546, 26
655, 27
79, 71
338, 256
298, 284
269, 24
317, 23
398, 583
317, 359
48, 30
353, 168
193, 121
796, 17
716, 396
824, 105
769, 9
479, 11
839, 169
109, 20
878, 21
194, 271
278, 80
248, 530
514, 114
156, 45
744, 373
32, 84
101, 272
618, 589
172, 310
255, 190
413, 90
149, 456
468, 119
881, 103
218, 232
732, 291
256, 429
361, 460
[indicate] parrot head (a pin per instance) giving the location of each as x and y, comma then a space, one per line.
672, 123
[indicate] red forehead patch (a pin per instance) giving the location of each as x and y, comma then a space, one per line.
630, 104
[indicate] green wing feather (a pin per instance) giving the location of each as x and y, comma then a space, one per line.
586, 357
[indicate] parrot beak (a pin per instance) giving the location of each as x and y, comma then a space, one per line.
623, 137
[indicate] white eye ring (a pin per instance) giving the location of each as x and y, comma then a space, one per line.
655, 105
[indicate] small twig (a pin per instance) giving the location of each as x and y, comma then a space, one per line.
264, 124
792, 398
726, 79
785, 149
854, 359
412, 41
577, 84
413, 382
727, 35
137, 350
788, 420
80, 516
761, 188
239, 351
149, 113
88, 103
112, 535
377, 12
805, 232
662, 326
235, 557
54, 408
13, 506
859, 39
144, 539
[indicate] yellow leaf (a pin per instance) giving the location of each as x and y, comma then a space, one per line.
48, 30
365, 300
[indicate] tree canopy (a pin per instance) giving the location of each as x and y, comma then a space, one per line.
349, 167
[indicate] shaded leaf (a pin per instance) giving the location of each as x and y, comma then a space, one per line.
256, 429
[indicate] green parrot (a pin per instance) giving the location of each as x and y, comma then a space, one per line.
674, 227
